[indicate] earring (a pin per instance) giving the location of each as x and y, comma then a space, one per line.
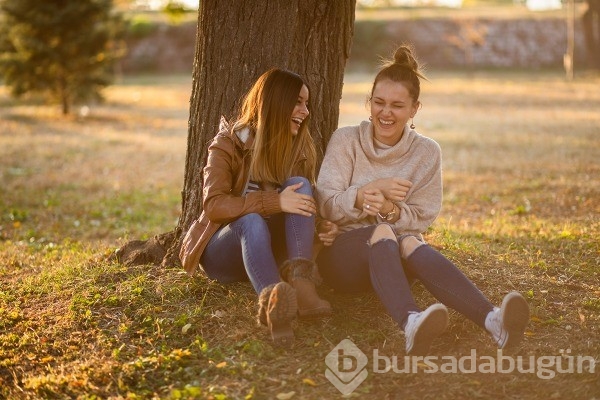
412, 124
370, 118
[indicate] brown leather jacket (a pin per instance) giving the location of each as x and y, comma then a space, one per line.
225, 178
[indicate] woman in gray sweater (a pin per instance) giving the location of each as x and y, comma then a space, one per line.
380, 186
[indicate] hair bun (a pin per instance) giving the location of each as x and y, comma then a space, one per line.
404, 58
403, 68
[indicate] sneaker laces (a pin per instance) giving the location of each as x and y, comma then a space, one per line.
493, 323
507, 323
411, 328
423, 327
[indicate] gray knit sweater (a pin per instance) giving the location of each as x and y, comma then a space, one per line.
352, 161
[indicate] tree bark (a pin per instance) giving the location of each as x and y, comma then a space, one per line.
591, 31
236, 43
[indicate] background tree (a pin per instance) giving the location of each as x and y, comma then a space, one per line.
591, 31
235, 45
63, 50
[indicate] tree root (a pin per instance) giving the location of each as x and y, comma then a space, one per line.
156, 251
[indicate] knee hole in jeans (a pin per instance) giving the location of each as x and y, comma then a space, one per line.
381, 232
408, 245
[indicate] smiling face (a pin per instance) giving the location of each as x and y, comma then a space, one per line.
300, 110
391, 108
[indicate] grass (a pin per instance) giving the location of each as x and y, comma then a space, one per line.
521, 212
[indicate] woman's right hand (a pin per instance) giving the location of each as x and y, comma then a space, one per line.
373, 201
297, 203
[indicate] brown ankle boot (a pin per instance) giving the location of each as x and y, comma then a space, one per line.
303, 275
277, 308
263, 304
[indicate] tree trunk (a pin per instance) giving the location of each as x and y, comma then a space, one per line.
591, 31
235, 44
64, 97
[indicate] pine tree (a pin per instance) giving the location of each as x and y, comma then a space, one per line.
61, 49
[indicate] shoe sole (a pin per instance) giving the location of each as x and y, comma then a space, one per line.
515, 317
435, 321
282, 309
315, 313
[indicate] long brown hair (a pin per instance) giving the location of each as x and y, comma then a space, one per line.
267, 111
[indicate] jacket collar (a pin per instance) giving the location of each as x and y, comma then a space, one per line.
246, 137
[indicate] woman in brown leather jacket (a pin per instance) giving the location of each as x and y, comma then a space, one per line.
258, 205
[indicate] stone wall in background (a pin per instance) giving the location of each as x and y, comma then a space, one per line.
439, 43
166, 48
484, 43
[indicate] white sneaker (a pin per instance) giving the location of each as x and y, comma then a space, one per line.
422, 327
507, 323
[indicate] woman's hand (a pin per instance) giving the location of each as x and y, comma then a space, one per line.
394, 189
373, 201
327, 231
297, 203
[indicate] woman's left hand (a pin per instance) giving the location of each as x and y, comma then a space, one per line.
328, 231
297, 203
373, 201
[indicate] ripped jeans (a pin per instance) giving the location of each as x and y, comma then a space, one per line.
353, 264
251, 247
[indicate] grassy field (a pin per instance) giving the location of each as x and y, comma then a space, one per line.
521, 212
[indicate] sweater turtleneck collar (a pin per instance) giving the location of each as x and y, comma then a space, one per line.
382, 152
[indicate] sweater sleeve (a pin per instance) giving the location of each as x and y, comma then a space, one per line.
423, 203
335, 196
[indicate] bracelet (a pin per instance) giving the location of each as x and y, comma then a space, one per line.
389, 216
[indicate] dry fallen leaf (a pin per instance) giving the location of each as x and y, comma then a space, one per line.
309, 382
285, 396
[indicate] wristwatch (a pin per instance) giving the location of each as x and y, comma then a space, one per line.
389, 216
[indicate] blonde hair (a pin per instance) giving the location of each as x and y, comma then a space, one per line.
403, 68
267, 111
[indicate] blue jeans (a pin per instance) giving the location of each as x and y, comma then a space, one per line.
251, 247
354, 264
